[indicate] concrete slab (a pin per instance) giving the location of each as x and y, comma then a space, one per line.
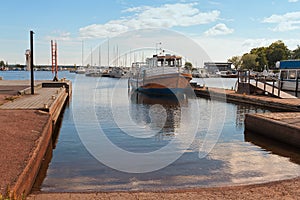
283, 127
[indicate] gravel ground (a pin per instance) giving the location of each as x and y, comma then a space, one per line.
287, 189
19, 133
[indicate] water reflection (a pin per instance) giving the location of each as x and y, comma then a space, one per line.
243, 109
274, 147
163, 112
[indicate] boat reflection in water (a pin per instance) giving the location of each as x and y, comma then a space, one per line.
161, 113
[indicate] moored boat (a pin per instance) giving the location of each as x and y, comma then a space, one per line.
160, 75
80, 70
289, 75
228, 74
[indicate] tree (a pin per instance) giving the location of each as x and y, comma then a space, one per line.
2, 63
188, 66
277, 51
249, 61
236, 61
296, 53
261, 57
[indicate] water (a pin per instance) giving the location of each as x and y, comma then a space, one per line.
236, 158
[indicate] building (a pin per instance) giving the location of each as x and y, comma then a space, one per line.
213, 67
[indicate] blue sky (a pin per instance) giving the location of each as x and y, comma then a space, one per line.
223, 28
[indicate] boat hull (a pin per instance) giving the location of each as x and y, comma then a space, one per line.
167, 84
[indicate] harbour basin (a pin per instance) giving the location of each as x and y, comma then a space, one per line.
235, 159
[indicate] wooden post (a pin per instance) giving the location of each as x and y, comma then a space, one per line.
256, 82
265, 84
279, 87
297, 86
273, 87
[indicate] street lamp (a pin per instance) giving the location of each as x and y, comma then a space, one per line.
31, 62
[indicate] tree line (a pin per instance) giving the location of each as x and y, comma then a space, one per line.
261, 58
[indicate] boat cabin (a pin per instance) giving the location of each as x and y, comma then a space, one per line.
167, 60
289, 70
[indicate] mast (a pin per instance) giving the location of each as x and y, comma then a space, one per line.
91, 57
108, 52
82, 46
99, 55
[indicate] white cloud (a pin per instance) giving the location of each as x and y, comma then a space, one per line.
98, 30
293, 1
214, 3
264, 42
165, 16
236, 47
287, 22
219, 29
253, 43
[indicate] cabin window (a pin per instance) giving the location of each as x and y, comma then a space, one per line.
292, 74
283, 75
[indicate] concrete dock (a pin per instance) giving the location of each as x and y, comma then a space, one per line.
292, 105
283, 127
26, 126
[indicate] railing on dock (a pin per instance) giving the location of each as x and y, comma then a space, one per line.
260, 83
266, 83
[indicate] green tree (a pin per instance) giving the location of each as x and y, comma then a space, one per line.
261, 59
277, 51
296, 53
249, 61
2, 63
188, 66
236, 61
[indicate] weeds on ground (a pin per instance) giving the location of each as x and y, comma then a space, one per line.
10, 98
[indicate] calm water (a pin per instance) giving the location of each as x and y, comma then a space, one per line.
142, 125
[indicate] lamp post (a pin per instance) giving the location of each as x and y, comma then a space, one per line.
31, 62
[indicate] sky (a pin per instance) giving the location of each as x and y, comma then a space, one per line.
222, 28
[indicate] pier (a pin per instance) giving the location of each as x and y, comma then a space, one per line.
283, 127
26, 125
286, 104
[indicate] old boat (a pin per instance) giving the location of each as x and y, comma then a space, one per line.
289, 75
160, 75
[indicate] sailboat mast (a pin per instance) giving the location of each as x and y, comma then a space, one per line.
82, 47
99, 55
108, 52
